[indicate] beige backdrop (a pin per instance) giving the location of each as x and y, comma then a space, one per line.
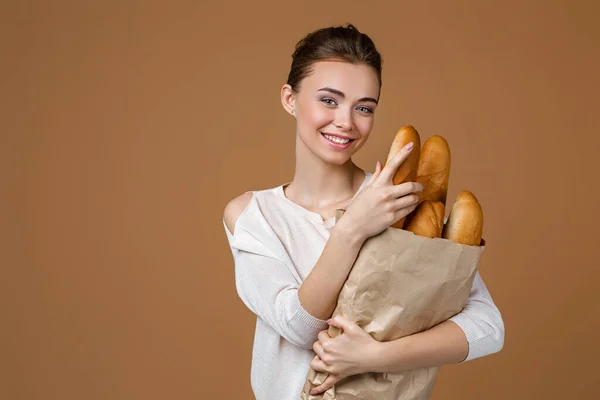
127, 126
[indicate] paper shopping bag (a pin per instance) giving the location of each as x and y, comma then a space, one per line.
399, 285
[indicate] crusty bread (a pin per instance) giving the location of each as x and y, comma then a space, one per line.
434, 169
427, 219
407, 172
465, 222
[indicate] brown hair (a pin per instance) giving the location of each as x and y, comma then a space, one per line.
345, 43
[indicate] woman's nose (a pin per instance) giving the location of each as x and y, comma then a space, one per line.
343, 119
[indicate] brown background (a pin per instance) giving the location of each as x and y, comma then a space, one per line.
126, 127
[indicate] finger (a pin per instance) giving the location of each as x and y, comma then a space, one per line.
378, 169
405, 201
390, 168
403, 212
323, 337
406, 188
318, 348
318, 365
328, 384
342, 323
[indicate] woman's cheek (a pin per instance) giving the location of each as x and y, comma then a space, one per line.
365, 126
320, 116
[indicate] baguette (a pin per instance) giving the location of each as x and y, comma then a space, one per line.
427, 219
407, 172
434, 169
465, 222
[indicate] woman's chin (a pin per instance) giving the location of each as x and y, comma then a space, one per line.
335, 159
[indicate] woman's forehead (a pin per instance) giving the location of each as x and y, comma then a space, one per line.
354, 80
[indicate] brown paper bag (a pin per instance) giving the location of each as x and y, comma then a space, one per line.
400, 284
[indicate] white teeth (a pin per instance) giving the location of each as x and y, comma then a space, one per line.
336, 139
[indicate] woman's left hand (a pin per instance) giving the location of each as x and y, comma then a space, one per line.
350, 353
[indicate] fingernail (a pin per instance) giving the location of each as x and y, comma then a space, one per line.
408, 146
313, 392
329, 321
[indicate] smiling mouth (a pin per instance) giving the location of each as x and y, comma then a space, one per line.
336, 140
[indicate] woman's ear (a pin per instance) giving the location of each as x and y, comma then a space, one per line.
288, 99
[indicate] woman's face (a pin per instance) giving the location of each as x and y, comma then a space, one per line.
334, 108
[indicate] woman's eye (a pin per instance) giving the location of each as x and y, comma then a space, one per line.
328, 101
366, 110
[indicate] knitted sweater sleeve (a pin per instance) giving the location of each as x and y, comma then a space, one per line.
268, 286
481, 322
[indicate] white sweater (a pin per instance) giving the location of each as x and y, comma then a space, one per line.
275, 244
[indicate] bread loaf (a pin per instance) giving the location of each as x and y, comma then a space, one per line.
408, 169
434, 169
427, 219
465, 222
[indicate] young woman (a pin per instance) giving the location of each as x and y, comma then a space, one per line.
291, 260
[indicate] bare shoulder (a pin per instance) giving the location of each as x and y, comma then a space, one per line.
234, 209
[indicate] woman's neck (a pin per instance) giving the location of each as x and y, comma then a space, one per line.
319, 186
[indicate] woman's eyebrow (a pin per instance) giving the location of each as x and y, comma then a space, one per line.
341, 94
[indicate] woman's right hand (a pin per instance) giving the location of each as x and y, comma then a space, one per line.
381, 203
